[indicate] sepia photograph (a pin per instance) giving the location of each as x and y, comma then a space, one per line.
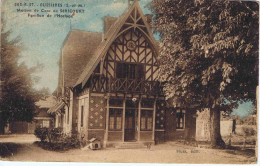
129, 81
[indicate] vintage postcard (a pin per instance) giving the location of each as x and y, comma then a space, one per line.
129, 81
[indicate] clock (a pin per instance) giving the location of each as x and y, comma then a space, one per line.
131, 45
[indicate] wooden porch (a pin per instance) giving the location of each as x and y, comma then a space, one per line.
101, 84
130, 122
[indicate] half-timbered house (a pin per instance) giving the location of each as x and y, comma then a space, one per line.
108, 88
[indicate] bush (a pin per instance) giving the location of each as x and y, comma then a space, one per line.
72, 142
8, 149
56, 139
248, 131
41, 133
67, 143
55, 134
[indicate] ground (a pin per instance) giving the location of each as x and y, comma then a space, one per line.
170, 152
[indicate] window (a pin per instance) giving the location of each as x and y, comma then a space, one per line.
129, 70
147, 120
147, 103
115, 119
82, 115
116, 102
59, 120
180, 119
46, 123
131, 103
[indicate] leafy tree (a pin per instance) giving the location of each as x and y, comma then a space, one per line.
44, 91
17, 97
208, 54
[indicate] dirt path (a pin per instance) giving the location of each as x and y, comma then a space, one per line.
18, 138
170, 152
163, 153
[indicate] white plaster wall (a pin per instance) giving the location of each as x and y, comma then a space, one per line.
226, 127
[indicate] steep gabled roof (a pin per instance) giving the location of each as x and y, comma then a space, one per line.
110, 36
109, 21
77, 53
56, 107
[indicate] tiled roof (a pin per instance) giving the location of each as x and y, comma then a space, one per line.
77, 53
109, 21
104, 45
83, 50
56, 107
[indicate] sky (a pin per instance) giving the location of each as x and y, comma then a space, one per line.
42, 37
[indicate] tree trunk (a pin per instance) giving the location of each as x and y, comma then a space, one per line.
216, 140
2, 125
2, 128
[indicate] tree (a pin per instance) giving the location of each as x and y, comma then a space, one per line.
17, 97
208, 54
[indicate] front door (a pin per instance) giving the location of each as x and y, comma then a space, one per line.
130, 126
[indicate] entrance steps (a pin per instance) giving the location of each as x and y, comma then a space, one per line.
133, 145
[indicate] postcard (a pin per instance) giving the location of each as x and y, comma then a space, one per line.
129, 81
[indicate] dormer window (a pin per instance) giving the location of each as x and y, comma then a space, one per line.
129, 70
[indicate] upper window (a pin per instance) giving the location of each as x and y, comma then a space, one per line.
129, 70
180, 119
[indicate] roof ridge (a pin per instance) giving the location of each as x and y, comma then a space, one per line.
77, 52
85, 74
110, 35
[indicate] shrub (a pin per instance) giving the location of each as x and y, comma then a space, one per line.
72, 142
8, 149
248, 131
57, 140
67, 143
41, 133
55, 134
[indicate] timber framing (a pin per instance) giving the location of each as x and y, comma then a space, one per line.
112, 91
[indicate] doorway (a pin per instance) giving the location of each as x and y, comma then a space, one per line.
130, 124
